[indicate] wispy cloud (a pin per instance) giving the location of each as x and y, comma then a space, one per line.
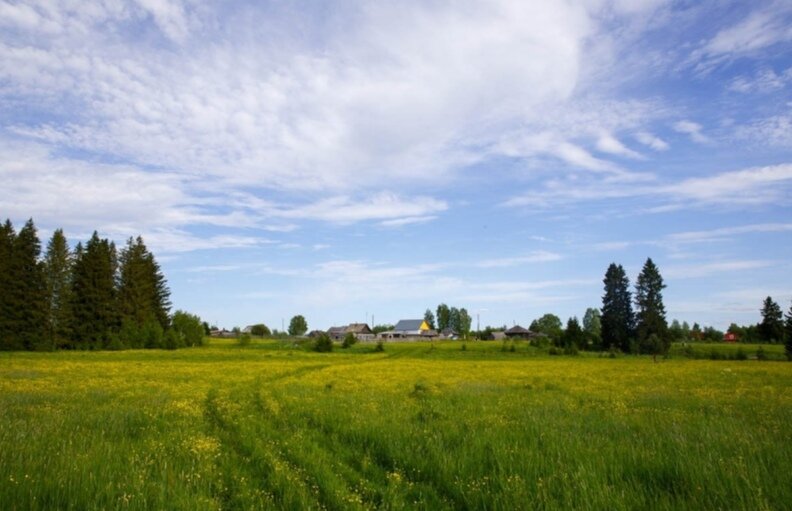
693, 130
535, 257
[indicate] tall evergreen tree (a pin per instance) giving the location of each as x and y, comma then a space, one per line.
651, 311
618, 321
94, 303
57, 273
788, 328
28, 291
7, 237
771, 329
143, 294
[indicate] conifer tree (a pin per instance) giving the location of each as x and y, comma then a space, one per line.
7, 236
94, 304
57, 272
28, 291
771, 329
651, 311
143, 294
618, 321
788, 328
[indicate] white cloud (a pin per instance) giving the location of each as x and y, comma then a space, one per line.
540, 256
761, 29
651, 141
693, 130
764, 81
775, 130
707, 269
757, 186
609, 144
410, 220
727, 232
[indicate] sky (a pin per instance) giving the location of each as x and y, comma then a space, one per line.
364, 161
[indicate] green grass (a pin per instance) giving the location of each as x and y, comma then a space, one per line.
420, 426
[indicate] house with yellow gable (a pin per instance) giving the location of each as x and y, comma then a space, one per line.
409, 328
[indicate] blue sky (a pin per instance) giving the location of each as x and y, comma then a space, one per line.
344, 160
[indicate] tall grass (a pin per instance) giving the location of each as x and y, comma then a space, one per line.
418, 426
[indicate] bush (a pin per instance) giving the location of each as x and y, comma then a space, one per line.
260, 330
323, 344
380, 346
464, 346
188, 328
554, 351
740, 355
760, 354
349, 340
172, 340
571, 350
244, 339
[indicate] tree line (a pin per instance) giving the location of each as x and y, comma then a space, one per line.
92, 297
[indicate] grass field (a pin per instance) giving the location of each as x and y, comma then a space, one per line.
271, 426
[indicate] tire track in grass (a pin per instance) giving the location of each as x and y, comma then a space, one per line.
367, 459
261, 466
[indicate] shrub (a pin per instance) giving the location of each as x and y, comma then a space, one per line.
260, 330
244, 339
464, 346
173, 340
188, 328
380, 346
554, 351
349, 340
323, 344
571, 350
760, 354
740, 355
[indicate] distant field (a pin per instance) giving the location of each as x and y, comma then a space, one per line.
271, 426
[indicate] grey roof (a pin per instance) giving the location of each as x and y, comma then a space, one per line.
518, 330
336, 330
358, 328
408, 325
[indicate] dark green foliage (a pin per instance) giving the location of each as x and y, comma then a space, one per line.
592, 326
379, 347
58, 271
761, 354
550, 325
349, 340
463, 323
443, 317
617, 315
298, 325
573, 336
261, 330
188, 328
771, 329
25, 303
323, 343
430, 319
7, 236
94, 298
143, 294
650, 315
378, 329
788, 328
244, 339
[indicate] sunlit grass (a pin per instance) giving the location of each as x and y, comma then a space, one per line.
421, 425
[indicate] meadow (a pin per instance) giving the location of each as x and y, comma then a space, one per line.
418, 426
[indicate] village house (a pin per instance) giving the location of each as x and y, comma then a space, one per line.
409, 328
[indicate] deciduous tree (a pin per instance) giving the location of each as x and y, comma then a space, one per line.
298, 325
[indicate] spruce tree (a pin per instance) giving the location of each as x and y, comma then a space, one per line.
617, 314
58, 272
651, 311
28, 292
94, 304
788, 328
7, 236
143, 295
771, 329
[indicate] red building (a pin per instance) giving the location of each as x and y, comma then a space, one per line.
729, 337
